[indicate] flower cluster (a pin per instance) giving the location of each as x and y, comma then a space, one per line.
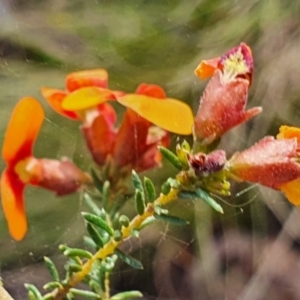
149, 118
133, 145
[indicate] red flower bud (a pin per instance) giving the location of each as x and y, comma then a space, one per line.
224, 100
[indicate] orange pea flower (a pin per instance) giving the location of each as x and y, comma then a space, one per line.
91, 85
223, 103
135, 143
62, 177
272, 162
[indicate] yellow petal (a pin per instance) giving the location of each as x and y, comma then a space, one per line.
85, 98
292, 191
169, 114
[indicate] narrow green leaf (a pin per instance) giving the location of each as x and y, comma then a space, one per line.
71, 252
48, 296
147, 222
92, 205
99, 222
134, 263
135, 233
127, 295
171, 219
209, 200
97, 182
137, 183
149, 190
187, 195
171, 157
84, 293
70, 296
94, 235
89, 242
139, 202
52, 285
73, 268
105, 194
33, 291
52, 269
166, 188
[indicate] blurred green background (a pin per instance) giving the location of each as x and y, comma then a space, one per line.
157, 41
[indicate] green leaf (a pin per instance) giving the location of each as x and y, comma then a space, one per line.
70, 296
139, 202
171, 157
209, 200
71, 252
149, 190
147, 222
99, 222
134, 263
187, 195
171, 219
94, 235
137, 183
92, 205
52, 285
105, 194
48, 296
33, 291
97, 182
73, 268
52, 269
84, 293
166, 188
127, 295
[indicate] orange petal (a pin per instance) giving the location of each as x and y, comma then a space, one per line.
151, 90
206, 68
85, 98
97, 78
22, 130
54, 98
171, 114
292, 191
288, 132
13, 205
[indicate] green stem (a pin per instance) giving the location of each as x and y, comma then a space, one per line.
110, 247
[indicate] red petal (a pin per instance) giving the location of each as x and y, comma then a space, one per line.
22, 130
151, 90
13, 204
100, 138
96, 78
54, 98
108, 113
131, 139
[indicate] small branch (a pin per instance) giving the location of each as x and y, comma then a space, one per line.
109, 248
